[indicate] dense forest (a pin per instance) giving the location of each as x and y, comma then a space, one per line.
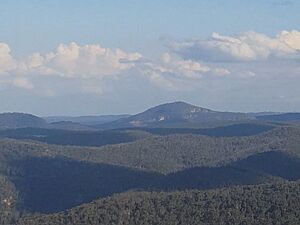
164, 154
167, 154
84, 137
40, 178
262, 204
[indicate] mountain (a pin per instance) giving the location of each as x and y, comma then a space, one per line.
85, 120
20, 120
176, 113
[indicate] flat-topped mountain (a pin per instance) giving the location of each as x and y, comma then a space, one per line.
176, 113
20, 120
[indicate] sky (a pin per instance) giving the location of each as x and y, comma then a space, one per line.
91, 57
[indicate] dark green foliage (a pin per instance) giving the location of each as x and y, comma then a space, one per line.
167, 154
235, 130
50, 185
100, 138
49, 178
8, 201
273, 163
79, 138
261, 204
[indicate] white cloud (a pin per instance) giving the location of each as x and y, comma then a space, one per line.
73, 60
73, 68
7, 63
183, 68
170, 72
173, 73
249, 46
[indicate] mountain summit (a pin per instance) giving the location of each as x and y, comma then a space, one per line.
178, 111
172, 114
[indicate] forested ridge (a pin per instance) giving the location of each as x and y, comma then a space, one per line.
40, 178
260, 204
166, 154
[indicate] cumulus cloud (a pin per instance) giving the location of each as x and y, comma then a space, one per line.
249, 46
173, 73
183, 68
95, 70
7, 63
67, 61
73, 60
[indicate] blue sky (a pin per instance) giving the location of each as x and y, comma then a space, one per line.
171, 50
33, 25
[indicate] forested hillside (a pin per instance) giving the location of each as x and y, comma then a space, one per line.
72, 137
37, 177
261, 204
82, 136
166, 154
8, 198
231, 130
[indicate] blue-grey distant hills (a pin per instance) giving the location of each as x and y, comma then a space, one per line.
85, 120
284, 117
23, 120
20, 120
170, 115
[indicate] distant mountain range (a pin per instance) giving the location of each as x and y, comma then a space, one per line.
285, 117
176, 114
85, 120
81, 123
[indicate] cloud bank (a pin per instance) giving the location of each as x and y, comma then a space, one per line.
245, 47
185, 66
73, 60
